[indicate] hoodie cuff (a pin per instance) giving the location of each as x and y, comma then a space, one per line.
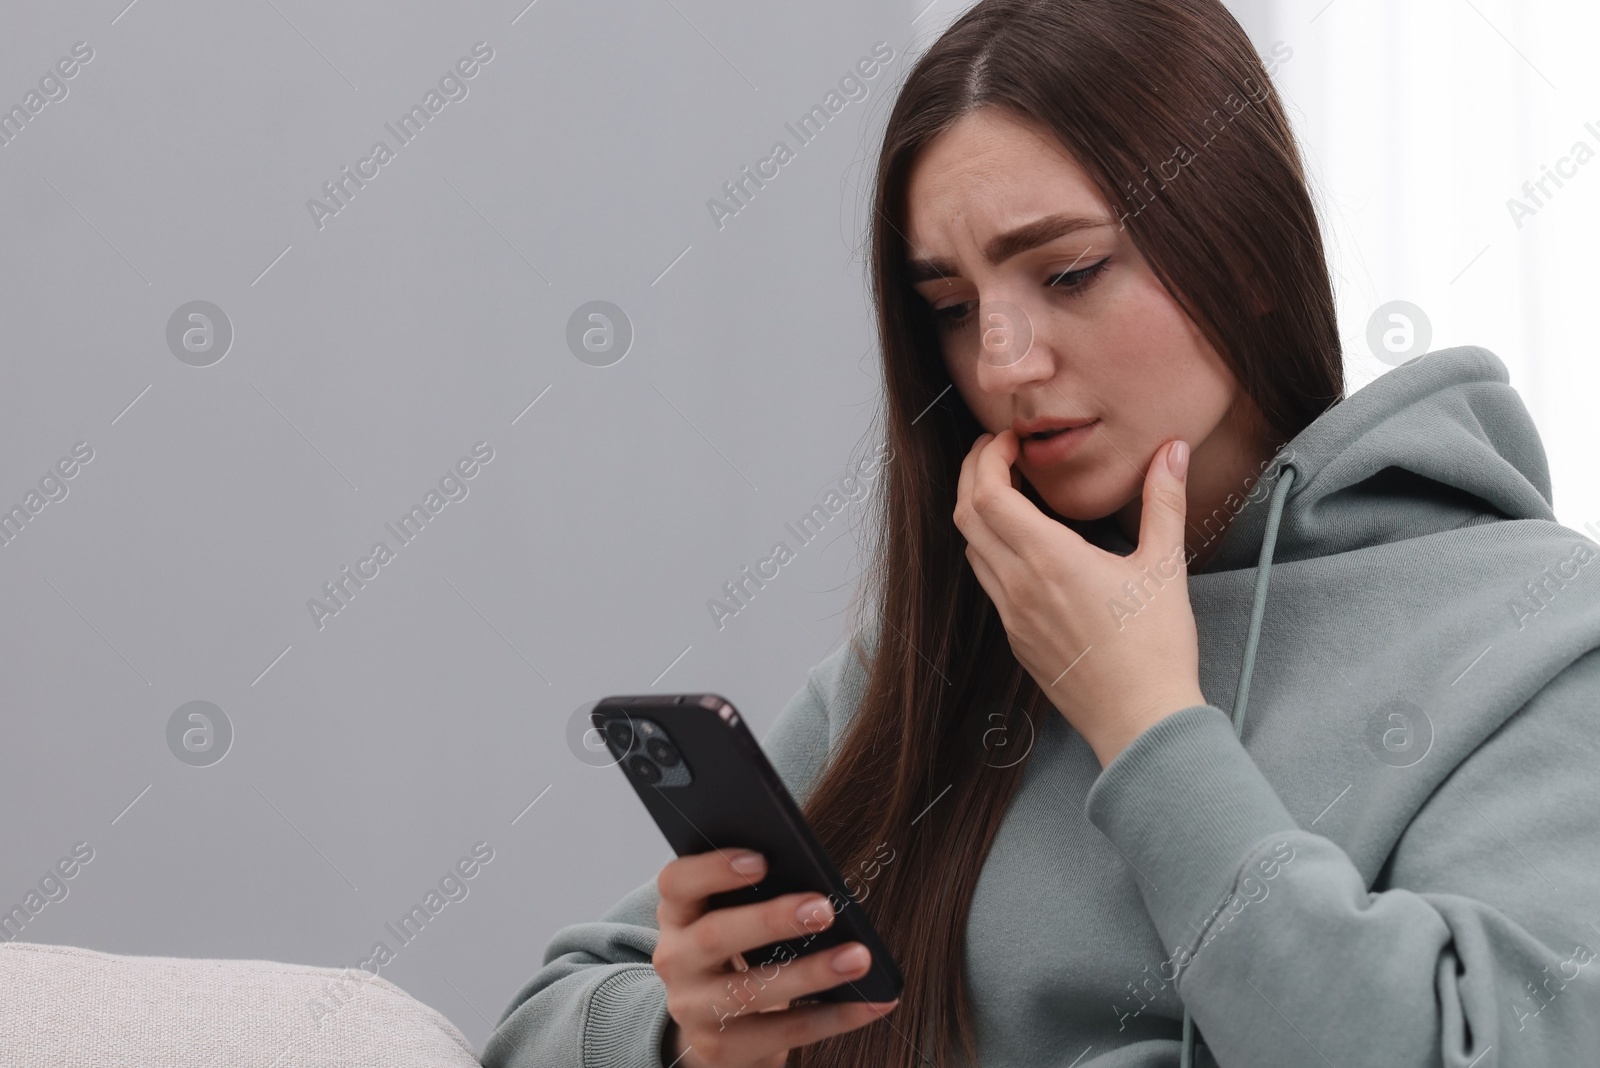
626, 1019
1185, 804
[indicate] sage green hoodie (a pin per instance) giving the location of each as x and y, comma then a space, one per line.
1389, 855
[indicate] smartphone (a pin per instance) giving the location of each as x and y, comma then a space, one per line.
708, 785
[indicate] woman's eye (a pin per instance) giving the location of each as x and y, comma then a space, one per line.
1077, 279
953, 315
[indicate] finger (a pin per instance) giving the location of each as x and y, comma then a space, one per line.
772, 987
685, 883
754, 1036
964, 478
1165, 505
1013, 519
720, 933
988, 580
973, 526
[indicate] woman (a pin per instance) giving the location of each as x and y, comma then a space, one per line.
1035, 759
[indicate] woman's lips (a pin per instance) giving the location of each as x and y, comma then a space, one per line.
1042, 452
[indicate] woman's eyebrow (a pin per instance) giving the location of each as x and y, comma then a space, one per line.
1002, 247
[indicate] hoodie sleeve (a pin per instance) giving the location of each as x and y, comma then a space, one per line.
1479, 951
597, 1002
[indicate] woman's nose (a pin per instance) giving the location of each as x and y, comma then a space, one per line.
1009, 352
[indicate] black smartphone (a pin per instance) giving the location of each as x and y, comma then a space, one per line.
708, 785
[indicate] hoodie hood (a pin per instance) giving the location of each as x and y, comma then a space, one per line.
1438, 443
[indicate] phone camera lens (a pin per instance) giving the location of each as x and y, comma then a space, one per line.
662, 750
646, 770
621, 733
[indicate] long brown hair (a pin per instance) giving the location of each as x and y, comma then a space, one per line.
1232, 230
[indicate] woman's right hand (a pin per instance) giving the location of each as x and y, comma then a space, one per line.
723, 1017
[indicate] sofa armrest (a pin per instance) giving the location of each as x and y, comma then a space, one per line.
64, 1005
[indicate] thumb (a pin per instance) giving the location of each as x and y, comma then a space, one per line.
1166, 501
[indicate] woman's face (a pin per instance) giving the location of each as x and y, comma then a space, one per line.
1109, 346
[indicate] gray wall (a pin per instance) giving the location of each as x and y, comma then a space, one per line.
371, 350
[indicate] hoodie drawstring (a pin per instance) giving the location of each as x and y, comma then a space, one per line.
1258, 608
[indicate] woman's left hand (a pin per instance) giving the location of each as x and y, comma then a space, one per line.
1110, 639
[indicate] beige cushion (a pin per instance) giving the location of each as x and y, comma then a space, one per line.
65, 1006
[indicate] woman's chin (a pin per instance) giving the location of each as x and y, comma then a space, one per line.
1079, 507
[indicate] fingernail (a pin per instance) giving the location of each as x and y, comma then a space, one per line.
814, 910
851, 959
746, 863
1178, 458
